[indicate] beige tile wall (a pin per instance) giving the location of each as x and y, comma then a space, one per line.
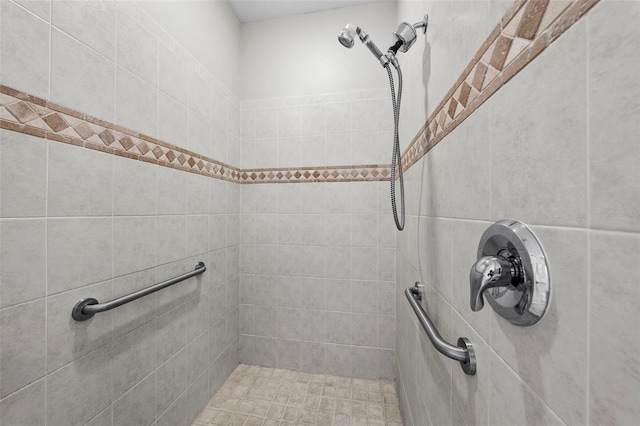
78, 223
541, 151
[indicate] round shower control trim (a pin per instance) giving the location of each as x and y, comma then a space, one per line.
512, 273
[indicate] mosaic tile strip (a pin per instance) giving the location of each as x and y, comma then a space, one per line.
526, 30
317, 174
28, 114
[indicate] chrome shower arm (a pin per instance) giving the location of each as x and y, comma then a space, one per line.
422, 24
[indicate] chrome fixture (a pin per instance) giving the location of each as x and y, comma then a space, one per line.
347, 35
512, 273
406, 34
403, 38
463, 353
87, 308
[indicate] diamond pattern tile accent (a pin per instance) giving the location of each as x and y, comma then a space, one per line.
500, 53
525, 31
56, 122
533, 12
143, 148
22, 112
84, 130
107, 137
478, 77
127, 143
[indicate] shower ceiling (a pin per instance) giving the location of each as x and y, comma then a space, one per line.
256, 10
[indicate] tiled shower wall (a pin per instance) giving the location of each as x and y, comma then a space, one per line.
556, 148
77, 223
334, 129
317, 261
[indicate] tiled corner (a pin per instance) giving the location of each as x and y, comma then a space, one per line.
527, 29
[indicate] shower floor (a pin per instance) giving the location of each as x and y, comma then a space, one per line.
261, 396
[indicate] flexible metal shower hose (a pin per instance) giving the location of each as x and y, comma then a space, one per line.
396, 159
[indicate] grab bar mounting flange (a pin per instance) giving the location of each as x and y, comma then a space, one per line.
463, 353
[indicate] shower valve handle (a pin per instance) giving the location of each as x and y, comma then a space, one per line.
490, 272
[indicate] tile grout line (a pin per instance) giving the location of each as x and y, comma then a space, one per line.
588, 184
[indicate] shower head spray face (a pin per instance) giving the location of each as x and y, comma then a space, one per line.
347, 36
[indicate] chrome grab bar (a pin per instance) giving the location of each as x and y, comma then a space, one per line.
463, 353
87, 308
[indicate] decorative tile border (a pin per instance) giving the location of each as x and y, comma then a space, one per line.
528, 28
317, 174
21, 112
525, 30
28, 114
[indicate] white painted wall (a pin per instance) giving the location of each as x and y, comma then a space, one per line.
300, 55
208, 29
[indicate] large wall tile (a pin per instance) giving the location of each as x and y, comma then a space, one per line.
173, 121
137, 49
93, 23
197, 234
197, 194
134, 188
172, 191
554, 367
79, 252
546, 150
68, 340
22, 260
133, 244
432, 181
513, 402
197, 356
470, 174
81, 389
26, 72
133, 408
614, 106
170, 381
81, 78
24, 190
199, 93
171, 239
25, 407
173, 68
200, 135
136, 103
614, 382
80, 181
174, 415
133, 356
24, 359
312, 357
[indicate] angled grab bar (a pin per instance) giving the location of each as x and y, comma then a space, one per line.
463, 353
87, 308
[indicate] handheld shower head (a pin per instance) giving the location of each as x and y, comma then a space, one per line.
347, 35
